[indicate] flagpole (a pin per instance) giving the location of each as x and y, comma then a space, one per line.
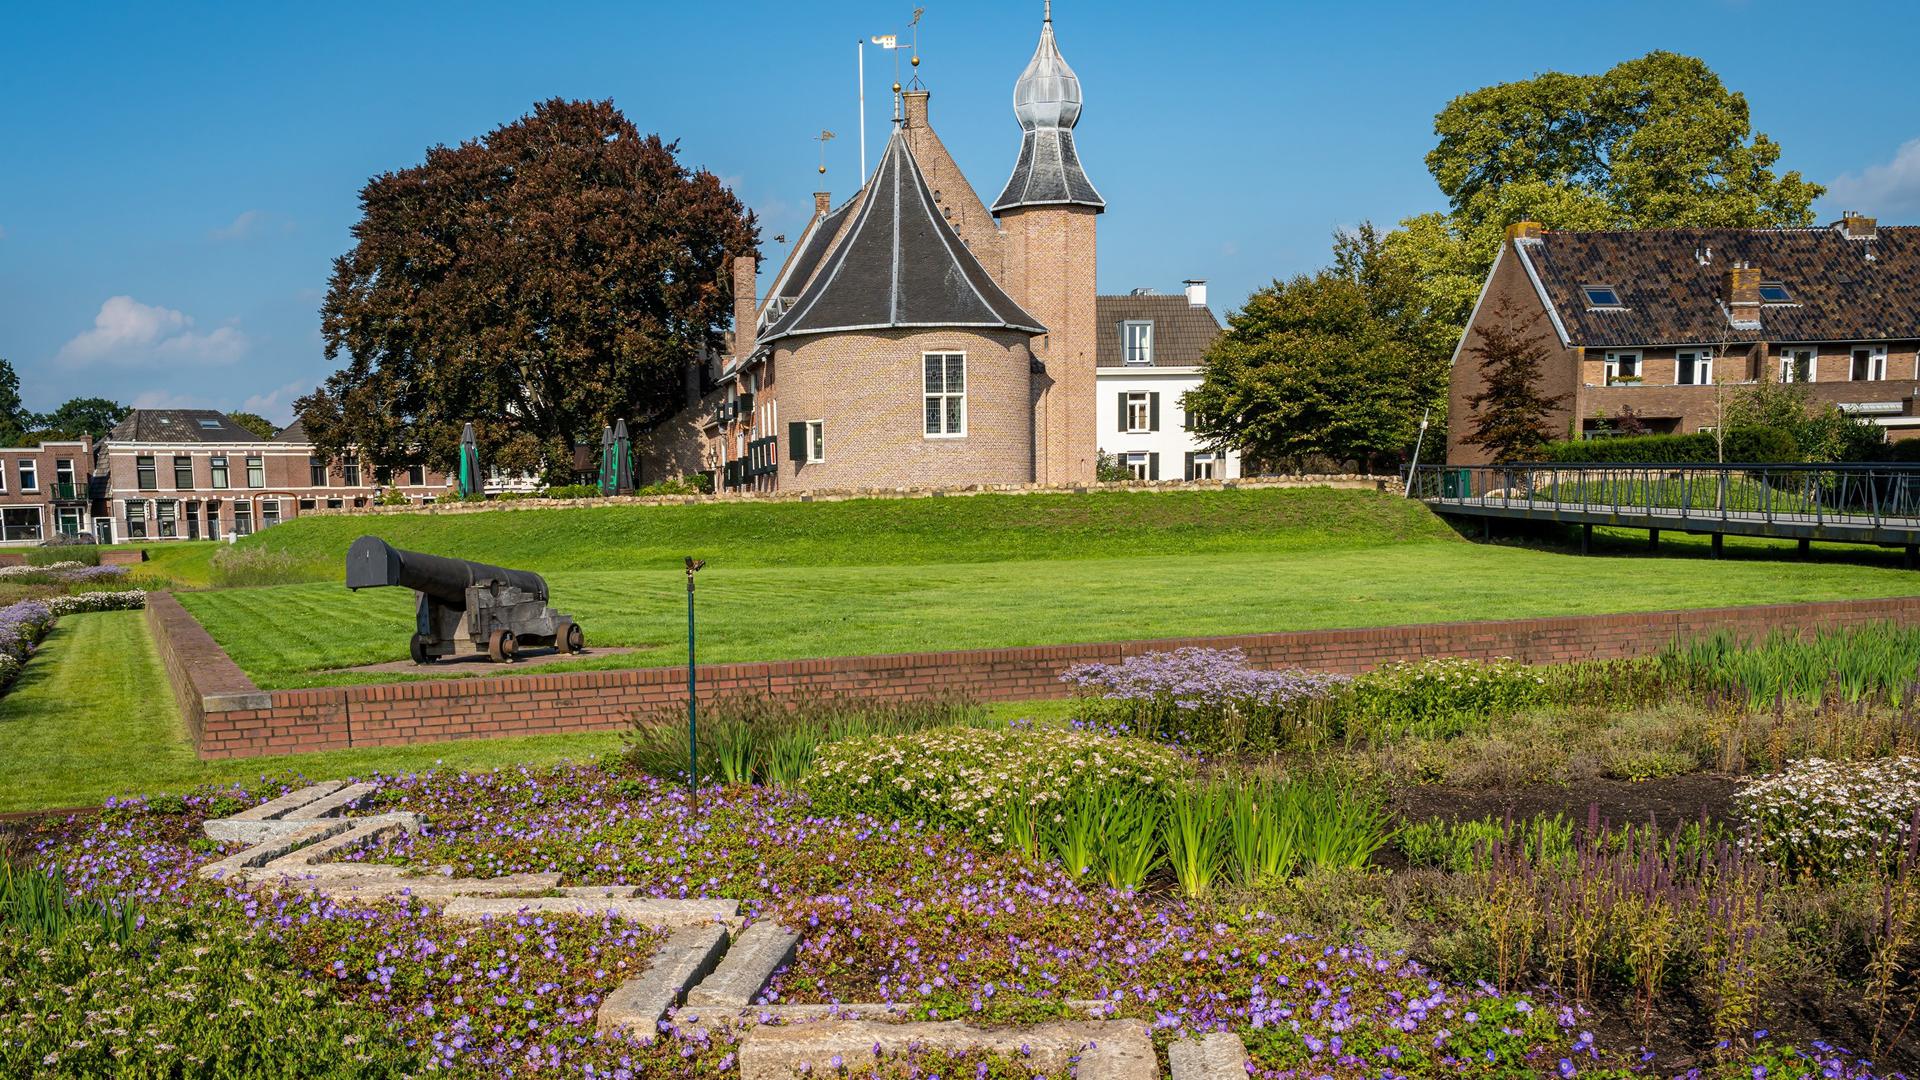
861, 48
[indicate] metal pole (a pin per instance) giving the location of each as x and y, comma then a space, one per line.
693, 718
1413, 470
861, 48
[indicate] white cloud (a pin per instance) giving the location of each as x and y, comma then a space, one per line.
240, 227
127, 332
277, 404
1890, 188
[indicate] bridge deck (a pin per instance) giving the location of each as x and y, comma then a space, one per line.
1835, 527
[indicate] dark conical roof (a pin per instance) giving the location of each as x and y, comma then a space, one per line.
900, 265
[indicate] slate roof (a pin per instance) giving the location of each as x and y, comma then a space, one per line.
899, 264
1671, 298
806, 257
1046, 100
1181, 331
295, 432
179, 426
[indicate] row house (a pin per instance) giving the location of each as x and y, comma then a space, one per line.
187, 474
1152, 351
1658, 323
46, 490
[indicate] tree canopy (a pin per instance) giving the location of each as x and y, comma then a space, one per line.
1320, 365
15, 420
560, 272
93, 416
1511, 418
1654, 142
255, 423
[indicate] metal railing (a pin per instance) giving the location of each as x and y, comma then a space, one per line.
1866, 496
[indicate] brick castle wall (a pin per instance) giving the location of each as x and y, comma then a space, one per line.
229, 717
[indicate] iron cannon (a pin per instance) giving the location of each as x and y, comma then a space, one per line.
498, 610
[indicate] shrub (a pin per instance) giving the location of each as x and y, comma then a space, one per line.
1831, 819
571, 491
964, 777
696, 484
22, 625
1210, 699
66, 548
82, 603
1437, 697
243, 565
1650, 449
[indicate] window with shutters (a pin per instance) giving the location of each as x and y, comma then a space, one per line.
945, 377
1201, 464
1137, 412
1139, 466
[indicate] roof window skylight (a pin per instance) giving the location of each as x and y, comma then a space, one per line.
210, 425
1772, 292
1601, 296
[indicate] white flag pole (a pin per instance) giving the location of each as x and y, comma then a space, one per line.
861, 47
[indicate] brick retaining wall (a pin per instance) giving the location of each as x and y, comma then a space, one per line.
230, 717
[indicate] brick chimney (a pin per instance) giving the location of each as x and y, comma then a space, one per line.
1740, 291
743, 307
1525, 230
822, 203
915, 102
1856, 226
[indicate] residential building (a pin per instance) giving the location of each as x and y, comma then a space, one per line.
188, 474
916, 335
1152, 350
1661, 323
46, 489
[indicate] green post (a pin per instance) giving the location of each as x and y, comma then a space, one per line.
693, 719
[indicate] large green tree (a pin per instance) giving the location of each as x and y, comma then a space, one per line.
255, 423
1317, 366
15, 420
75, 417
560, 272
1655, 142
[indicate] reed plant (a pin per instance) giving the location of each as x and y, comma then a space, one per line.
40, 905
1878, 664
1196, 830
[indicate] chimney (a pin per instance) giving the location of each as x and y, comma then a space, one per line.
1740, 291
822, 203
1196, 292
916, 106
743, 307
1857, 226
1525, 230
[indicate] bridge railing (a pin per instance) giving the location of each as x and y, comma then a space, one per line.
1862, 495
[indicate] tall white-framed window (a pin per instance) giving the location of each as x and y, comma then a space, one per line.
945, 394
816, 441
1136, 339
1622, 367
1139, 411
1869, 363
29, 475
1693, 367
1797, 364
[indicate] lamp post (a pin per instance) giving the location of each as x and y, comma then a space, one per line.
693, 721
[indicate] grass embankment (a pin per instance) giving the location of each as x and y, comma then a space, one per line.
788, 581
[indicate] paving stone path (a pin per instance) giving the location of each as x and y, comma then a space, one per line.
708, 971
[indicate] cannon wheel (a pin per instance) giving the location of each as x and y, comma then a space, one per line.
417, 649
501, 647
576, 639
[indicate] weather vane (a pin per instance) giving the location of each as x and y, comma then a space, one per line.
822, 140
914, 62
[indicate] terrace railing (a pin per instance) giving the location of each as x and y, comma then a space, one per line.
1860, 496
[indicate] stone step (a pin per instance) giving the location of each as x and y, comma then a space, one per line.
660, 914
269, 820
333, 804
760, 950
291, 801
604, 892
434, 889
358, 831
268, 851
1218, 1055
1106, 1049
638, 1005
1092, 1008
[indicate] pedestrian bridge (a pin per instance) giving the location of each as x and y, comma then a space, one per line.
1849, 504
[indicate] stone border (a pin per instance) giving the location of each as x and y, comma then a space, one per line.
230, 717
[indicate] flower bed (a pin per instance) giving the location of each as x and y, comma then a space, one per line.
1831, 819
83, 603
1205, 698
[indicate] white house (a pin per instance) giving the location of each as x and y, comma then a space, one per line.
1152, 350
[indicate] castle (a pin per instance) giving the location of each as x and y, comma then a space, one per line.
915, 336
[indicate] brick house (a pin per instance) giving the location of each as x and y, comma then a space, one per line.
1660, 322
46, 489
188, 474
1152, 350
915, 336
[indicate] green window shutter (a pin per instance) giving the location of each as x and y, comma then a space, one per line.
797, 442
1123, 410
1153, 466
1153, 414
1189, 475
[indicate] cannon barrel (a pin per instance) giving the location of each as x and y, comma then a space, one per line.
372, 563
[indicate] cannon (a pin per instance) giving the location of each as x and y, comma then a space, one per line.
498, 610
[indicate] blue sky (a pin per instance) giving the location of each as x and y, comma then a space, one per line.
175, 179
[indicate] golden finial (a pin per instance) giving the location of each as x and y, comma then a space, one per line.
822, 140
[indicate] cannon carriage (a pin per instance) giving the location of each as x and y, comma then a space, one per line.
499, 611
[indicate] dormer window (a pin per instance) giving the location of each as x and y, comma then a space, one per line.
1136, 335
1773, 292
1602, 296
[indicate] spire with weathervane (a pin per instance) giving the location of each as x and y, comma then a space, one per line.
1046, 100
